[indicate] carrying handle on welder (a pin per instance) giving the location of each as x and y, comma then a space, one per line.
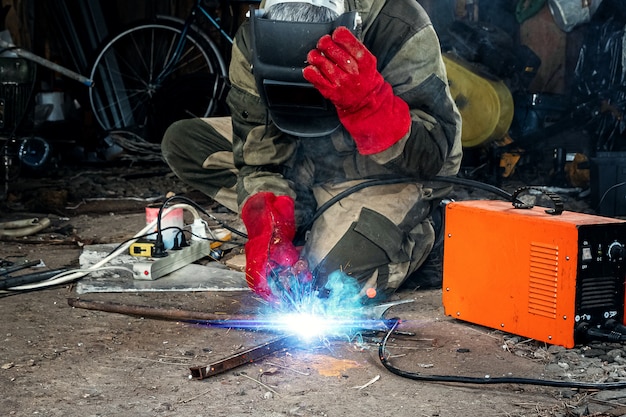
556, 200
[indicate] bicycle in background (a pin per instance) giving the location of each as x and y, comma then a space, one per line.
159, 71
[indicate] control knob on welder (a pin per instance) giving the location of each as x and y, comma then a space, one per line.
616, 251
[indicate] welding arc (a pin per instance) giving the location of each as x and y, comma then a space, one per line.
384, 359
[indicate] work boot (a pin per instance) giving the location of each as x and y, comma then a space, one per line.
430, 273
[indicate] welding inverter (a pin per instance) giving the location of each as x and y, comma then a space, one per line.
527, 272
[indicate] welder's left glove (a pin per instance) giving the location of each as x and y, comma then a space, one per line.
344, 71
270, 222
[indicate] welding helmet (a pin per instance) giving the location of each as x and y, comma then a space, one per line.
279, 51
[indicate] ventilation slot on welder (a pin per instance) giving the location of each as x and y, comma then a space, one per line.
598, 293
544, 264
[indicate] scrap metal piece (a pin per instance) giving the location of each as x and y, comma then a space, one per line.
23, 264
373, 315
242, 358
377, 312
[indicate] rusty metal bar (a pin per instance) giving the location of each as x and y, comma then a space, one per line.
197, 372
242, 358
153, 312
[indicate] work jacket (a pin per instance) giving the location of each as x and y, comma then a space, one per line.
400, 34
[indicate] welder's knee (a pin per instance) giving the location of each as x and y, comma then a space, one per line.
374, 252
175, 141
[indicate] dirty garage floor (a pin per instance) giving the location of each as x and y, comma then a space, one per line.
56, 360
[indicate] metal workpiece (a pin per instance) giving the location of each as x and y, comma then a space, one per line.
377, 312
249, 356
370, 318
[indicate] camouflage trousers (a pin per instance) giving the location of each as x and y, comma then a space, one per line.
377, 236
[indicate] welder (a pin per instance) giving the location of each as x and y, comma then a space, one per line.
340, 117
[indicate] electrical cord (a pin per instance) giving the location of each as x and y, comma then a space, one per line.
606, 193
384, 359
76, 274
144, 236
611, 331
369, 183
202, 210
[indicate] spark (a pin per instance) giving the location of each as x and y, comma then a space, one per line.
335, 310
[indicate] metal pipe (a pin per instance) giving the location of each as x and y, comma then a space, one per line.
44, 62
197, 372
154, 312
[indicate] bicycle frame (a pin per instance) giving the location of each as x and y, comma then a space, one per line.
197, 8
159, 70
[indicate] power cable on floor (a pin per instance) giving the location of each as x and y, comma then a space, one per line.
384, 359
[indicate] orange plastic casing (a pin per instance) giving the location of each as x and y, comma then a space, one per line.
516, 269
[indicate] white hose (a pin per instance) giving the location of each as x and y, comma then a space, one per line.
21, 228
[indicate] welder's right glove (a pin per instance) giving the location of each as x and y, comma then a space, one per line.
344, 71
270, 222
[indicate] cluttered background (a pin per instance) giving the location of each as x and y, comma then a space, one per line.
539, 85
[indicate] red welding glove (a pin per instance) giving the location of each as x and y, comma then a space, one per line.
271, 226
344, 71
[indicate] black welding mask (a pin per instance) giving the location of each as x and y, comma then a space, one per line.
279, 51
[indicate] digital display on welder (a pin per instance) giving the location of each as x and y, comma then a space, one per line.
292, 95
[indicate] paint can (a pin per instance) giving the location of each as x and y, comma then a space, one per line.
569, 14
171, 224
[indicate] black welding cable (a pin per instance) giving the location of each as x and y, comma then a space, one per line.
404, 180
606, 193
384, 359
370, 183
477, 184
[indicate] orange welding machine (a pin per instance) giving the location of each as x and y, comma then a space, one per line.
556, 278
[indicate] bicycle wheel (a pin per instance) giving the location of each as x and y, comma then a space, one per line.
142, 84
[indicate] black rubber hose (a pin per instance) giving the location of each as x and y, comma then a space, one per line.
487, 380
10, 281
